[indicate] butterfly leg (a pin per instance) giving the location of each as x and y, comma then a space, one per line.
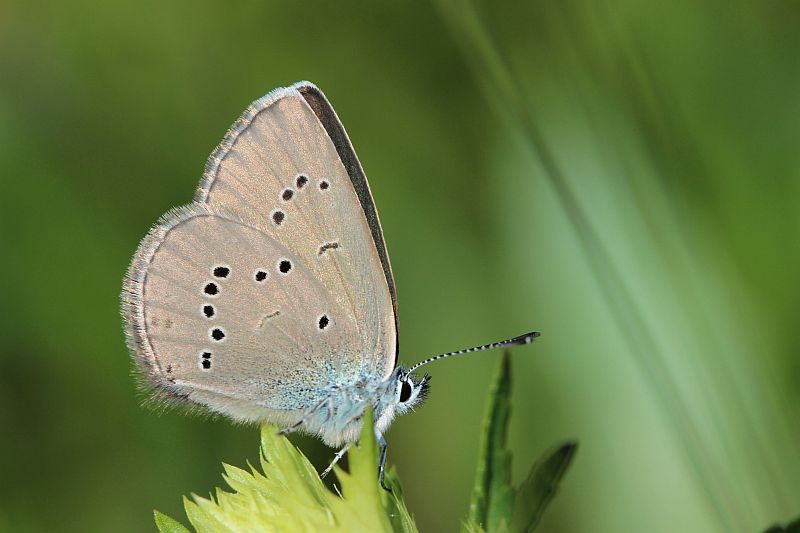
382, 460
336, 458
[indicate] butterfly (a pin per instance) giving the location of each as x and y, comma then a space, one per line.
270, 297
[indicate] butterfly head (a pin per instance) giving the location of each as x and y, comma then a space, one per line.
410, 391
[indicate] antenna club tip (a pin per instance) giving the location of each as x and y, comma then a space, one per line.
530, 336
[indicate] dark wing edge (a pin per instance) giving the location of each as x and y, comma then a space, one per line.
336, 132
330, 121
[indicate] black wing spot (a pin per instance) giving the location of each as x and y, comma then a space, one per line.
301, 181
206, 355
285, 266
260, 276
324, 321
324, 185
211, 289
209, 310
206, 363
217, 334
221, 272
278, 217
287, 194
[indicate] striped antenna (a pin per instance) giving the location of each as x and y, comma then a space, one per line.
516, 341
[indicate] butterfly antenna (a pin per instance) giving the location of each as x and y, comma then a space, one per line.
516, 341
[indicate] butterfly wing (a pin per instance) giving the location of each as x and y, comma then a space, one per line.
281, 189
291, 142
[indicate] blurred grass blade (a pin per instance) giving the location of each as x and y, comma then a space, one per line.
165, 524
541, 485
289, 495
505, 91
492, 495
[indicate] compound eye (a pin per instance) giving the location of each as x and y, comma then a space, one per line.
405, 392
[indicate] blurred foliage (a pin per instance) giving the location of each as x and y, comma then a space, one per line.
620, 175
290, 496
793, 527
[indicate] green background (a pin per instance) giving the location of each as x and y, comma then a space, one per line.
620, 175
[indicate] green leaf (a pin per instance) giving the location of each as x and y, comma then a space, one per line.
492, 496
471, 527
495, 505
289, 495
362, 503
541, 485
395, 504
165, 524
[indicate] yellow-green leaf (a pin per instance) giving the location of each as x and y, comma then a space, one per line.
165, 524
288, 495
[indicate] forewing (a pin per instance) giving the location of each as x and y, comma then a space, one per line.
222, 313
288, 168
